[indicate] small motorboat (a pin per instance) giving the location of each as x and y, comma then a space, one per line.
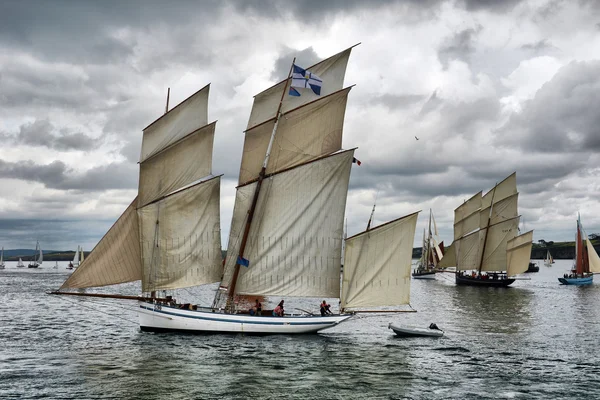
410, 331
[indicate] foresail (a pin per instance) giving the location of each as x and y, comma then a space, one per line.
494, 257
180, 164
303, 134
468, 252
188, 116
449, 258
115, 259
594, 260
518, 253
181, 238
377, 265
294, 246
330, 70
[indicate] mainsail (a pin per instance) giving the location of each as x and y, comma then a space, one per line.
486, 231
169, 236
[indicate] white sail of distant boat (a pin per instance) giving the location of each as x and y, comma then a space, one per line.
75, 261
38, 257
548, 261
55, 265
2, 266
20, 263
431, 252
286, 237
82, 258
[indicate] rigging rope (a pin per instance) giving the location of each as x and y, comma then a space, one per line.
95, 309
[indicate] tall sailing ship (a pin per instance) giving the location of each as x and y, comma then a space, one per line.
431, 254
287, 226
586, 262
487, 249
38, 257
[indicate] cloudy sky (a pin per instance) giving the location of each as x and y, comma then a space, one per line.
489, 88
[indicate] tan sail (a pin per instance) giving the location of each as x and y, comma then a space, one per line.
377, 265
503, 209
468, 252
331, 70
449, 258
466, 216
115, 259
518, 253
180, 164
294, 248
501, 191
303, 134
594, 260
190, 115
495, 255
181, 238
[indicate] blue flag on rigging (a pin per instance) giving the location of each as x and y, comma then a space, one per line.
302, 78
243, 262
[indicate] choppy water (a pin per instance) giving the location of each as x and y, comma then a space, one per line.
535, 340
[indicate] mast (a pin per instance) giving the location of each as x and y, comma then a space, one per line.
167, 105
487, 229
261, 177
579, 263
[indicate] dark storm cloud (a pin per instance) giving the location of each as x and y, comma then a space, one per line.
540, 46
304, 58
56, 175
57, 234
41, 133
459, 46
491, 5
562, 117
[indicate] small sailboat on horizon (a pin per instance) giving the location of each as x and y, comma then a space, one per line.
38, 257
2, 266
75, 262
548, 261
20, 263
586, 262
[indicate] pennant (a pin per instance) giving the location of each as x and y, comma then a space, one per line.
357, 161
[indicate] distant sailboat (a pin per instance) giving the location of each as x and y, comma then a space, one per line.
548, 261
586, 262
431, 253
487, 249
38, 257
20, 264
2, 266
55, 265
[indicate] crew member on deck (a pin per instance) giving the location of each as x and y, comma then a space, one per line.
325, 308
278, 311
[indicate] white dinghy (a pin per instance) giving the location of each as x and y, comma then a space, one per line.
411, 331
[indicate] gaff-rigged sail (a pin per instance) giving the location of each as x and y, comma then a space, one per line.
377, 265
169, 236
294, 249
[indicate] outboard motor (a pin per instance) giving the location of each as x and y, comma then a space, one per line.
434, 326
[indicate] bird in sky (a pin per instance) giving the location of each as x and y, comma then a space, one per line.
416, 138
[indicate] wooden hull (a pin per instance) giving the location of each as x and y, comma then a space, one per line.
469, 281
588, 280
423, 274
33, 266
166, 318
407, 331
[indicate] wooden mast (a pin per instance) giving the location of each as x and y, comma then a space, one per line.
487, 229
579, 250
167, 106
261, 176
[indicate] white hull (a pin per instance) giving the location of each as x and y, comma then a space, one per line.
159, 318
410, 331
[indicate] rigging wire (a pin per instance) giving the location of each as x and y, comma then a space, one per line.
100, 311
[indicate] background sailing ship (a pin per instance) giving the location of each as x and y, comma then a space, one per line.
38, 257
487, 250
431, 253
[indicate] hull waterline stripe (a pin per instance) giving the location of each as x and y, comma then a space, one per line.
247, 322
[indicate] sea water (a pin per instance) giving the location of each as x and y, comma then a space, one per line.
534, 340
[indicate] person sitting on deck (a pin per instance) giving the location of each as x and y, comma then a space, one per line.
257, 307
278, 311
325, 308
